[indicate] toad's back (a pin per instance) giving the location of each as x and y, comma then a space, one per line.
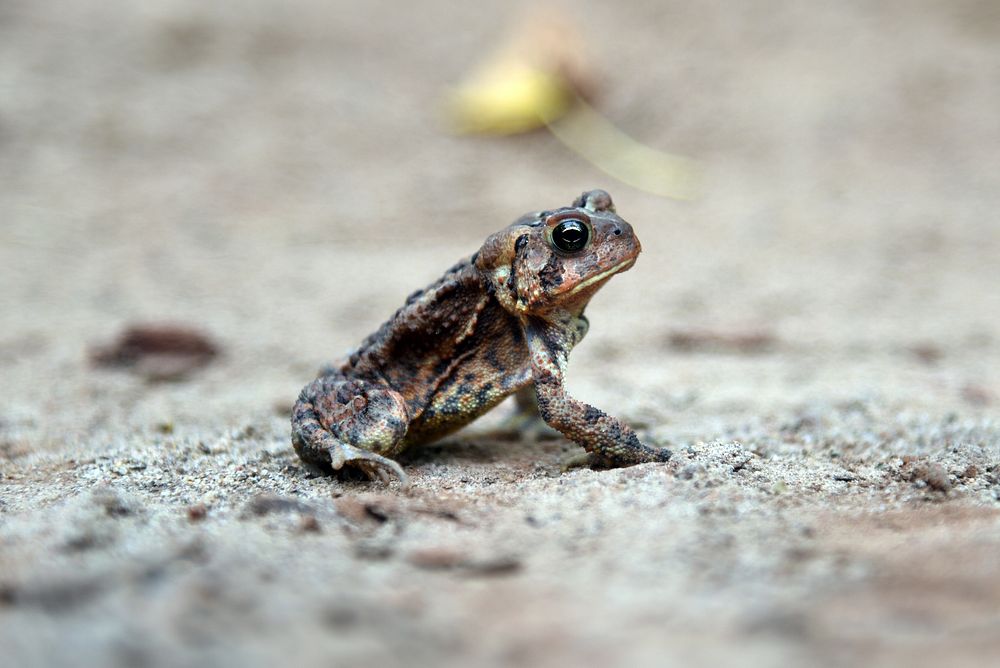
452, 352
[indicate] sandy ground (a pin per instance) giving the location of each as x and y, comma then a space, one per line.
277, 174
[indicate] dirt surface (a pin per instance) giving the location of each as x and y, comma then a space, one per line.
816, 338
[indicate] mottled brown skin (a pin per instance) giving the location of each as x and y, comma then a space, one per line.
502, 320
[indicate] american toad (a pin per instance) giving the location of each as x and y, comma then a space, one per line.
501, 321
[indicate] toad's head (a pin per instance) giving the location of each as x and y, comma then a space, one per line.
554, 261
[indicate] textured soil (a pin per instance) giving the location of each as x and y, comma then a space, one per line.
816, 337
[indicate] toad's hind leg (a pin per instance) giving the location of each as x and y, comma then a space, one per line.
339, 422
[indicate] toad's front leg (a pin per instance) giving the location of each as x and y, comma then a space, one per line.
609, 442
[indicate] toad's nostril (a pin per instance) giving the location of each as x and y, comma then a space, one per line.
618, 232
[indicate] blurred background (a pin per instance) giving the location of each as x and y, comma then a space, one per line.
279, 176
257, 167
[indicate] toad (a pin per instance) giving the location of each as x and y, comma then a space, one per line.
501, 322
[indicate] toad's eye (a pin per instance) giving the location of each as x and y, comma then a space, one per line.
570, 235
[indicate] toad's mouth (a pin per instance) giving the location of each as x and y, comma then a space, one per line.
607, 273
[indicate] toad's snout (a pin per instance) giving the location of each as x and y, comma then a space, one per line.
620, 240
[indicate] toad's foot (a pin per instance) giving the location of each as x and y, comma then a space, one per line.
577, 460
637, 453
373, 465
528, 427
595, 461
526, 422
343, 423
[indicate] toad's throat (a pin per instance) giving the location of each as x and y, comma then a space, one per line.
597, 278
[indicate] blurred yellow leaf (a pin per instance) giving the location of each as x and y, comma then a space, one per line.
598, 141
510, 98
539, 78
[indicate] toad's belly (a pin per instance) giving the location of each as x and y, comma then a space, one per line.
455, 407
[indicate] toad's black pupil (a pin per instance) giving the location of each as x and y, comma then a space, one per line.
570, 235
